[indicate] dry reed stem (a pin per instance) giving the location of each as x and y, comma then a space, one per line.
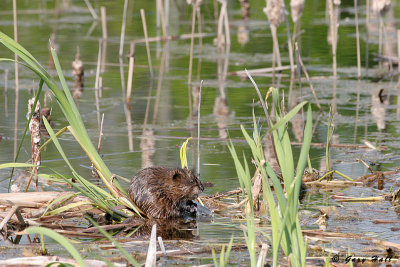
94, 170
6, 92
97, 82
290, 45
308, 77
276, 52
91, 10
143, 15
130, 73
275, 13
16, 80
123, 27
198, 130
8, 217
333, 31
296, 7
221, 41
159, 85
226, 24
128, 119
194, 7
122, 75
162, 17
357, 40
103, 22
398, 51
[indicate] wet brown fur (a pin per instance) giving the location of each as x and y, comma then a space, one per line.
164, 192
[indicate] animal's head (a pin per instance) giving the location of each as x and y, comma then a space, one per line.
190, 185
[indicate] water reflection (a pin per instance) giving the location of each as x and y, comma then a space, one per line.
221, 108
379, 104
147, 146
167, 229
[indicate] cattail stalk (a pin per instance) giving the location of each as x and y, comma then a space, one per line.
333, 36
123, 27
130, 73
198, 130
162, 17
194, 7
16, 80
6, 92
357, 40
159, 85
398, 51
94, 171
307, 77
275, 12
96, 84
143, 15
104, 22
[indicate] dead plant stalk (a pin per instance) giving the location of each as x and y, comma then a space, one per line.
143, 15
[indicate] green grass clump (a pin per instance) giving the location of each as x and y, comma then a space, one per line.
283, 205
103, 199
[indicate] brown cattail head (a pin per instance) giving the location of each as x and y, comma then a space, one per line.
296, 7
381, 6
274, 11
77, 66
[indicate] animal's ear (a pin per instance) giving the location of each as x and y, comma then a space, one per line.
177, 175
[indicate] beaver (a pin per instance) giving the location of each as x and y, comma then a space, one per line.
164, 193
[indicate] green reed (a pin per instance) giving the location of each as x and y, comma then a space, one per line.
283, 204
76, 127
